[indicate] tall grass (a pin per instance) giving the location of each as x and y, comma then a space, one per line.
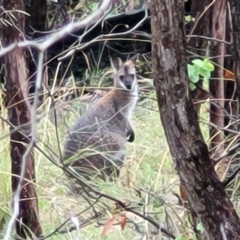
5, 172
148, 167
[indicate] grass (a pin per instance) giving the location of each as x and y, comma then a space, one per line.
143, 168
148, 167
5, 172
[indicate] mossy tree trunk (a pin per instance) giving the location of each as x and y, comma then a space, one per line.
205, 192
27, 222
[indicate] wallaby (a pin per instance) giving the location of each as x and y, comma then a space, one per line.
96, 143
98, 94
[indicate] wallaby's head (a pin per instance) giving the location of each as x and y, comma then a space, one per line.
125, 73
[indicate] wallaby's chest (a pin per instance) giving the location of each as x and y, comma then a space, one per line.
115, 122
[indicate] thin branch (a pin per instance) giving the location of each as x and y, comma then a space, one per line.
44, 43
198, 19
104, 37
209, 38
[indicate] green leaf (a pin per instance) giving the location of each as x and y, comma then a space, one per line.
194, 78
198, 62
192, 86
196, 68
207, 65
190, 69
205, 74
192, 75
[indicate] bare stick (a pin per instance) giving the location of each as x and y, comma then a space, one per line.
44, 44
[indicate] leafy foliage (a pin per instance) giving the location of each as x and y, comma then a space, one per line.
199, 68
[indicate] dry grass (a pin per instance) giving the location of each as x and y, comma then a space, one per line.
142, 170
148, 167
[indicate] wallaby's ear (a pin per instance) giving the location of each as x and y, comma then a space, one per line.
134, 58
132, 61
116, 63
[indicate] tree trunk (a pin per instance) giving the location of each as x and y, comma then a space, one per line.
37, 22
199, 27
234, 108
205, 192
27, 222
235, 11
216, 86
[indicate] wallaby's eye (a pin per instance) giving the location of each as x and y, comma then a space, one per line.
121, 77
132, 76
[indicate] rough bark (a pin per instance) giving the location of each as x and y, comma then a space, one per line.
36, 25
199, 27
233, 91
205, 192
235, 11
217, 86
27, 221
230, 87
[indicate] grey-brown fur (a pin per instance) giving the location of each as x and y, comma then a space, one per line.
96, 142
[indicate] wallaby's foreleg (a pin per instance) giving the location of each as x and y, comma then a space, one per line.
130, 133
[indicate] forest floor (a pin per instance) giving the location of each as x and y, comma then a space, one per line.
148, 168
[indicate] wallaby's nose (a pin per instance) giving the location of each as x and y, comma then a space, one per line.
128, 84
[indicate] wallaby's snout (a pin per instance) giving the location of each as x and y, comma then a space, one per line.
128, 85
127, 81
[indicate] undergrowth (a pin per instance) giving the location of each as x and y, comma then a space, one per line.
148, 169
